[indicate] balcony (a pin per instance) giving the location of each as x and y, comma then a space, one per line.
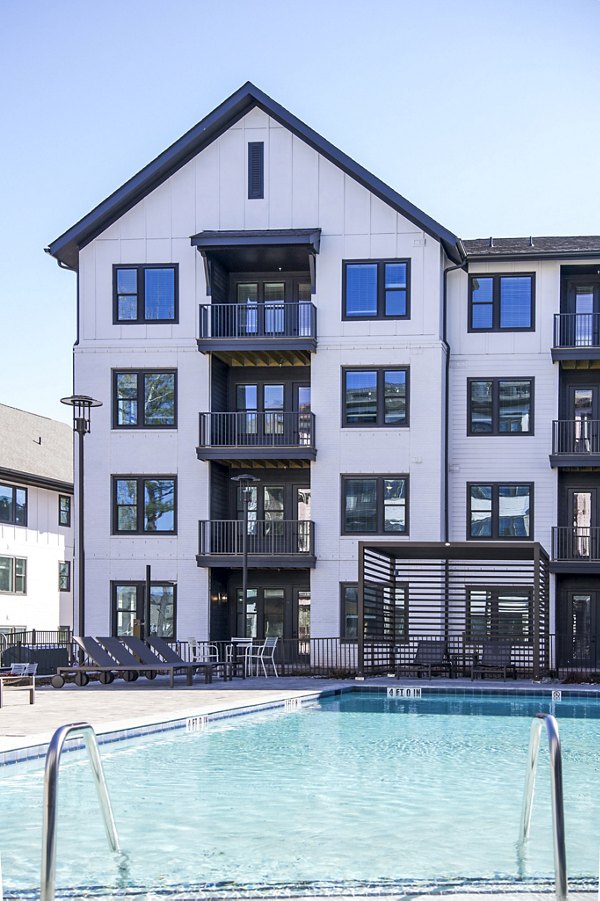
576, 549
575, 442
257, 436
259, 334
271, 543
576, 337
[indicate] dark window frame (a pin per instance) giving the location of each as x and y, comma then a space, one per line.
256, 177
61, 574
398, 639
13, 560
493, 634
140, 590
379, 502
496, 327
139, 530
140, 398
140, 294
380, 424
13, 521
381, 264
496, 406
65, 497
495, 536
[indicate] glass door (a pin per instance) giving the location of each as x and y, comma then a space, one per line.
583, 295
247, 308
578, 635
303, 499
303, 622
302, 406
273, 612
584, 411
274, 308
583, 514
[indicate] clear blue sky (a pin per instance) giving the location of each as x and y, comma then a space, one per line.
485, 114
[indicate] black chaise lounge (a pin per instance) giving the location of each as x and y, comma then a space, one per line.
430, 659
106, 667
118, 648
495, 661
171, 656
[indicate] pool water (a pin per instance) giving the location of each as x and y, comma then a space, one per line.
358, 790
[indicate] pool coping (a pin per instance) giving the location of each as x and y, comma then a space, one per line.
114, 732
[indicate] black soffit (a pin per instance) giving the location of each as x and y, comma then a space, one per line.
66, 248
285, 250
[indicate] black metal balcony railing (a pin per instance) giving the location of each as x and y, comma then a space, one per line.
577, 330
262, 320
576, 543
576, 436
265, 537
257, 430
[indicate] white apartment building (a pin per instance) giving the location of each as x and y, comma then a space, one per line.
36, 523
255, 302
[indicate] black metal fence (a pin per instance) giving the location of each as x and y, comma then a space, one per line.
49, 649
577, 329
255, 429
580, 437
266, 537
260, 320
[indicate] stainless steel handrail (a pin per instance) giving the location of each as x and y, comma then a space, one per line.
53, 755
558, 813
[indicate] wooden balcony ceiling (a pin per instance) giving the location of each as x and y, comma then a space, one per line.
267, 464
579, 364
273, 357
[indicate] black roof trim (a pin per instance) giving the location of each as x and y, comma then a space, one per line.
276, 237
29, 478
66, 247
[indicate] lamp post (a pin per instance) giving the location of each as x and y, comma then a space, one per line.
245, 481
82, 404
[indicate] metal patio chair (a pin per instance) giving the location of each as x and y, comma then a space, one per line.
495, 660
260, 655
431, 658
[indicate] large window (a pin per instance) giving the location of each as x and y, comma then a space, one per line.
499, 614
64, 510
500, 511
375, 397
128, 606
144, 505
374, 504
376, 289
144, 399
145, 294
13, 505
373, 611
13, 575
500, 406
501, 302
64, 576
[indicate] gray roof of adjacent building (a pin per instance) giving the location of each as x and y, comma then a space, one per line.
35, 450
533, 247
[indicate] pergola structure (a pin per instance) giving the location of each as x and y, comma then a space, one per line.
463, 593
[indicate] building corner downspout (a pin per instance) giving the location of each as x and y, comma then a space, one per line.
463, 265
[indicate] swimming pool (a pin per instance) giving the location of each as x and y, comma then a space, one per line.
358, 792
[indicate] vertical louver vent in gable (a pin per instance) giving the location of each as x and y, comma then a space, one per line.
256, 170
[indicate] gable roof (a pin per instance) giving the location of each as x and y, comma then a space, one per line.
66, 247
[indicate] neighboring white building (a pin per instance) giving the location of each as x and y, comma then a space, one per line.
36, 522
254, 300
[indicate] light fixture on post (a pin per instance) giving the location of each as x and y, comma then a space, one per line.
82, 405
245, 481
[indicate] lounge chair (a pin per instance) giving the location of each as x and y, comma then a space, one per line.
206, 666
118, 649
430, 659
144, 654
102, 665
495, 660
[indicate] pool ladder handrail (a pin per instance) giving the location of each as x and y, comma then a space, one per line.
53, 755
556, 788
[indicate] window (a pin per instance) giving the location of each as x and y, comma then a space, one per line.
64, 576
145, 294
500, 407
374, 504
376, 289
501, 302
375, 397
13, 505
500, 511
256, 170
499, 614
13, 575
374, 613
64, 510
144, 505
144, 399
128, 605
